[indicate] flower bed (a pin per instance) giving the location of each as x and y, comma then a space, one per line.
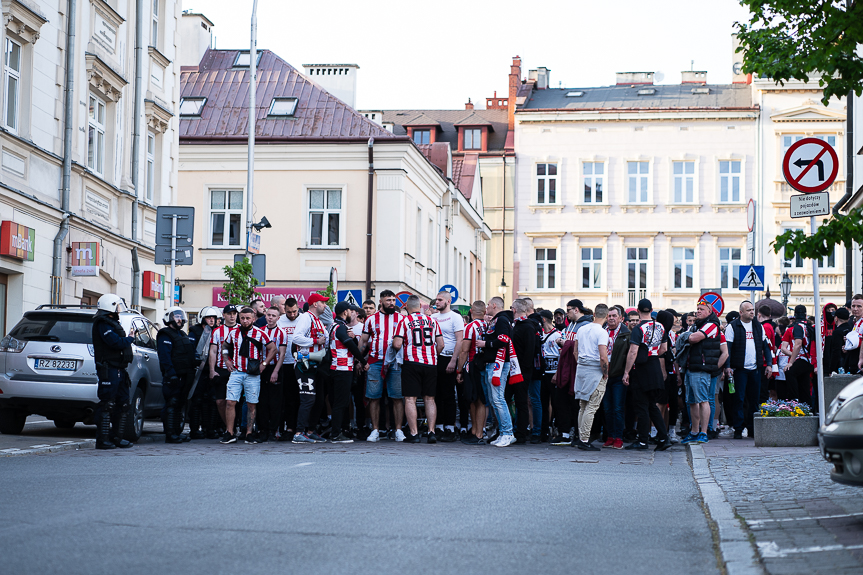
785, 423
785, 408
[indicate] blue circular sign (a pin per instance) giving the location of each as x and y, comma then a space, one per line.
452, 291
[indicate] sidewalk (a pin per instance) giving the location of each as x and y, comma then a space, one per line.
800, 520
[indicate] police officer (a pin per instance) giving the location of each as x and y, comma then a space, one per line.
112, 350
203, 416
177, 360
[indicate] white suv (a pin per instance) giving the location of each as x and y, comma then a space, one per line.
47, 368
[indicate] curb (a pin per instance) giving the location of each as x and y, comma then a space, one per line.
738, 552
68, 445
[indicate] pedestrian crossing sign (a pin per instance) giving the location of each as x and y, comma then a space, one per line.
352, 296
751, 278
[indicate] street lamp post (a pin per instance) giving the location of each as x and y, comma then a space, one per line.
785, 286
501, 289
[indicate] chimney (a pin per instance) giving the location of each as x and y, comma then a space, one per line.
737, 75
634, 78
469, 105
196, 32
542, 78
340, 80
693, 77
514, 83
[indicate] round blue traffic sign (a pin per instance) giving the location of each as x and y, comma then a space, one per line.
452, 291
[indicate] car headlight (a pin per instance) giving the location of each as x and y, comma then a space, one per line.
831, 411
850, 411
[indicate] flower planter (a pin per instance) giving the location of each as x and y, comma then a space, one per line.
786, 431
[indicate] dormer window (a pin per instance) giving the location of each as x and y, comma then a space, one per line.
283, 107
473, 139
191, 106
422, 136
242, 59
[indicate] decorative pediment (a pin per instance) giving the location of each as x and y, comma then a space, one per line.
103, 78
158, 117
809, 111
24, 20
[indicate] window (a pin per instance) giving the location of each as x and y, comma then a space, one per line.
226, 217
422, 136
473, 139
12, 79
636, 267
684, 267
591, 268
729, 267
96, 136
829, 261
283, 107
151, 165
154, 36
546, 263
594, 174
787, 140
242, 60
638, 173
192, 106
325, 207
684, 182
546, 183
729, 181
791, 260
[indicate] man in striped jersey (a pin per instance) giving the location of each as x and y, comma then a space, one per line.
344, 350
244, 346
470, 372
422, 340
378, 332
219, 373
309, 336
270, 406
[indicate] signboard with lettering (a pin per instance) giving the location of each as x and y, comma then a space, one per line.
17, 241
301, 294
85, 259
98, 206
154, 285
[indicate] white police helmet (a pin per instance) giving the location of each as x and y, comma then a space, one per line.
175, 314
209, 311
111, 303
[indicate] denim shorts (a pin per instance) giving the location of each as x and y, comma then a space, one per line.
374, 385
241, 381
697, 387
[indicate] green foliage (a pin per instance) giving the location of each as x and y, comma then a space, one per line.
787, 39
328, 292
843, 230
240, 287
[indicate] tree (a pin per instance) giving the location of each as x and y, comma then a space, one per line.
240, 287
787, 39
832, 232
328, 293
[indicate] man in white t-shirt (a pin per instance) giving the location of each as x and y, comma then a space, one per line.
452, 328
591, 348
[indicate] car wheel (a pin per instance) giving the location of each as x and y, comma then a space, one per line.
12, 421
64, 423
136, 417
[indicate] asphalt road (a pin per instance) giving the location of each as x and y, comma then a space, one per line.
206, 508
41, 432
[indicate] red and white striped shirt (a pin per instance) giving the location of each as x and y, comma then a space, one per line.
858, 327
381, 328
218, 338
279, 337
343, 359
419, 333
235, 337
473, 332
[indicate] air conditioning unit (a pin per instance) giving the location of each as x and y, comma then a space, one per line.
456, 209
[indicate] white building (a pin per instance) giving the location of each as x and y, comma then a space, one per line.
82, 224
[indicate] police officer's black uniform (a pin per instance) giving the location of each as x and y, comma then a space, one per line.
177, 361
112, 351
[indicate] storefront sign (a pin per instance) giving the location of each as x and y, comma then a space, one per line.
301, 294
154, 285
85, 259
17, 241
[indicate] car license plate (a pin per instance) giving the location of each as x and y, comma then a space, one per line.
56, 364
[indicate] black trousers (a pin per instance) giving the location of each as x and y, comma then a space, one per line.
561, 403
519, 391
290, 397
340, 399
445, 395
358, 390
644, 404
270, 401
798, 380
311, 390
545, 392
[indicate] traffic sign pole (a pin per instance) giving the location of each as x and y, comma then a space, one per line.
174, 255
818, 349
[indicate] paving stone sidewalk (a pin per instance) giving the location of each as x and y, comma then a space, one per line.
801, 521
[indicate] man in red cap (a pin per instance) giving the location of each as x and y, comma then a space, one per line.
309, 336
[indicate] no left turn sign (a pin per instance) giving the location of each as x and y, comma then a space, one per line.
810, 165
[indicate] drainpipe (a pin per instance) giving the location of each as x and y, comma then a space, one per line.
136, 144
369, 208
849, 191
63, 231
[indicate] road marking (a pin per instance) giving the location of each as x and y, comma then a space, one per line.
771, 549
304, 464
39, 446
757, 522
10, 450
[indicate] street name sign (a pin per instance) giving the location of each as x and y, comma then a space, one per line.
810, 165
807, 205
751, 278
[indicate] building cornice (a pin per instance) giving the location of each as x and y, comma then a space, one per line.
545, 234
630, 114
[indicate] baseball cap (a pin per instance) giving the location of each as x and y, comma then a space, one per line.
645, 305
230, 308
559, 310
356, 308
576, 303
843, 314
547, 314
316, 297
341, 307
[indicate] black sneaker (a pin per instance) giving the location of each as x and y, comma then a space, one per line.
520, 441
342, 438
448, 436
252, 438
535, 440
228, 438
561, 441
737, 435
470, 439
637, 445
432, 438
587, 446
712, 433
412, 438
663, 445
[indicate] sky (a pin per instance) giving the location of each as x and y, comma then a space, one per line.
437, 55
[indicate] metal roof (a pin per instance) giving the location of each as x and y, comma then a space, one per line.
225, 116
651, 96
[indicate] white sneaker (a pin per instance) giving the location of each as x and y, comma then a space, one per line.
375, 436
745, 432
726, 433
496, 441
505, 441
400, 435
672, 435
